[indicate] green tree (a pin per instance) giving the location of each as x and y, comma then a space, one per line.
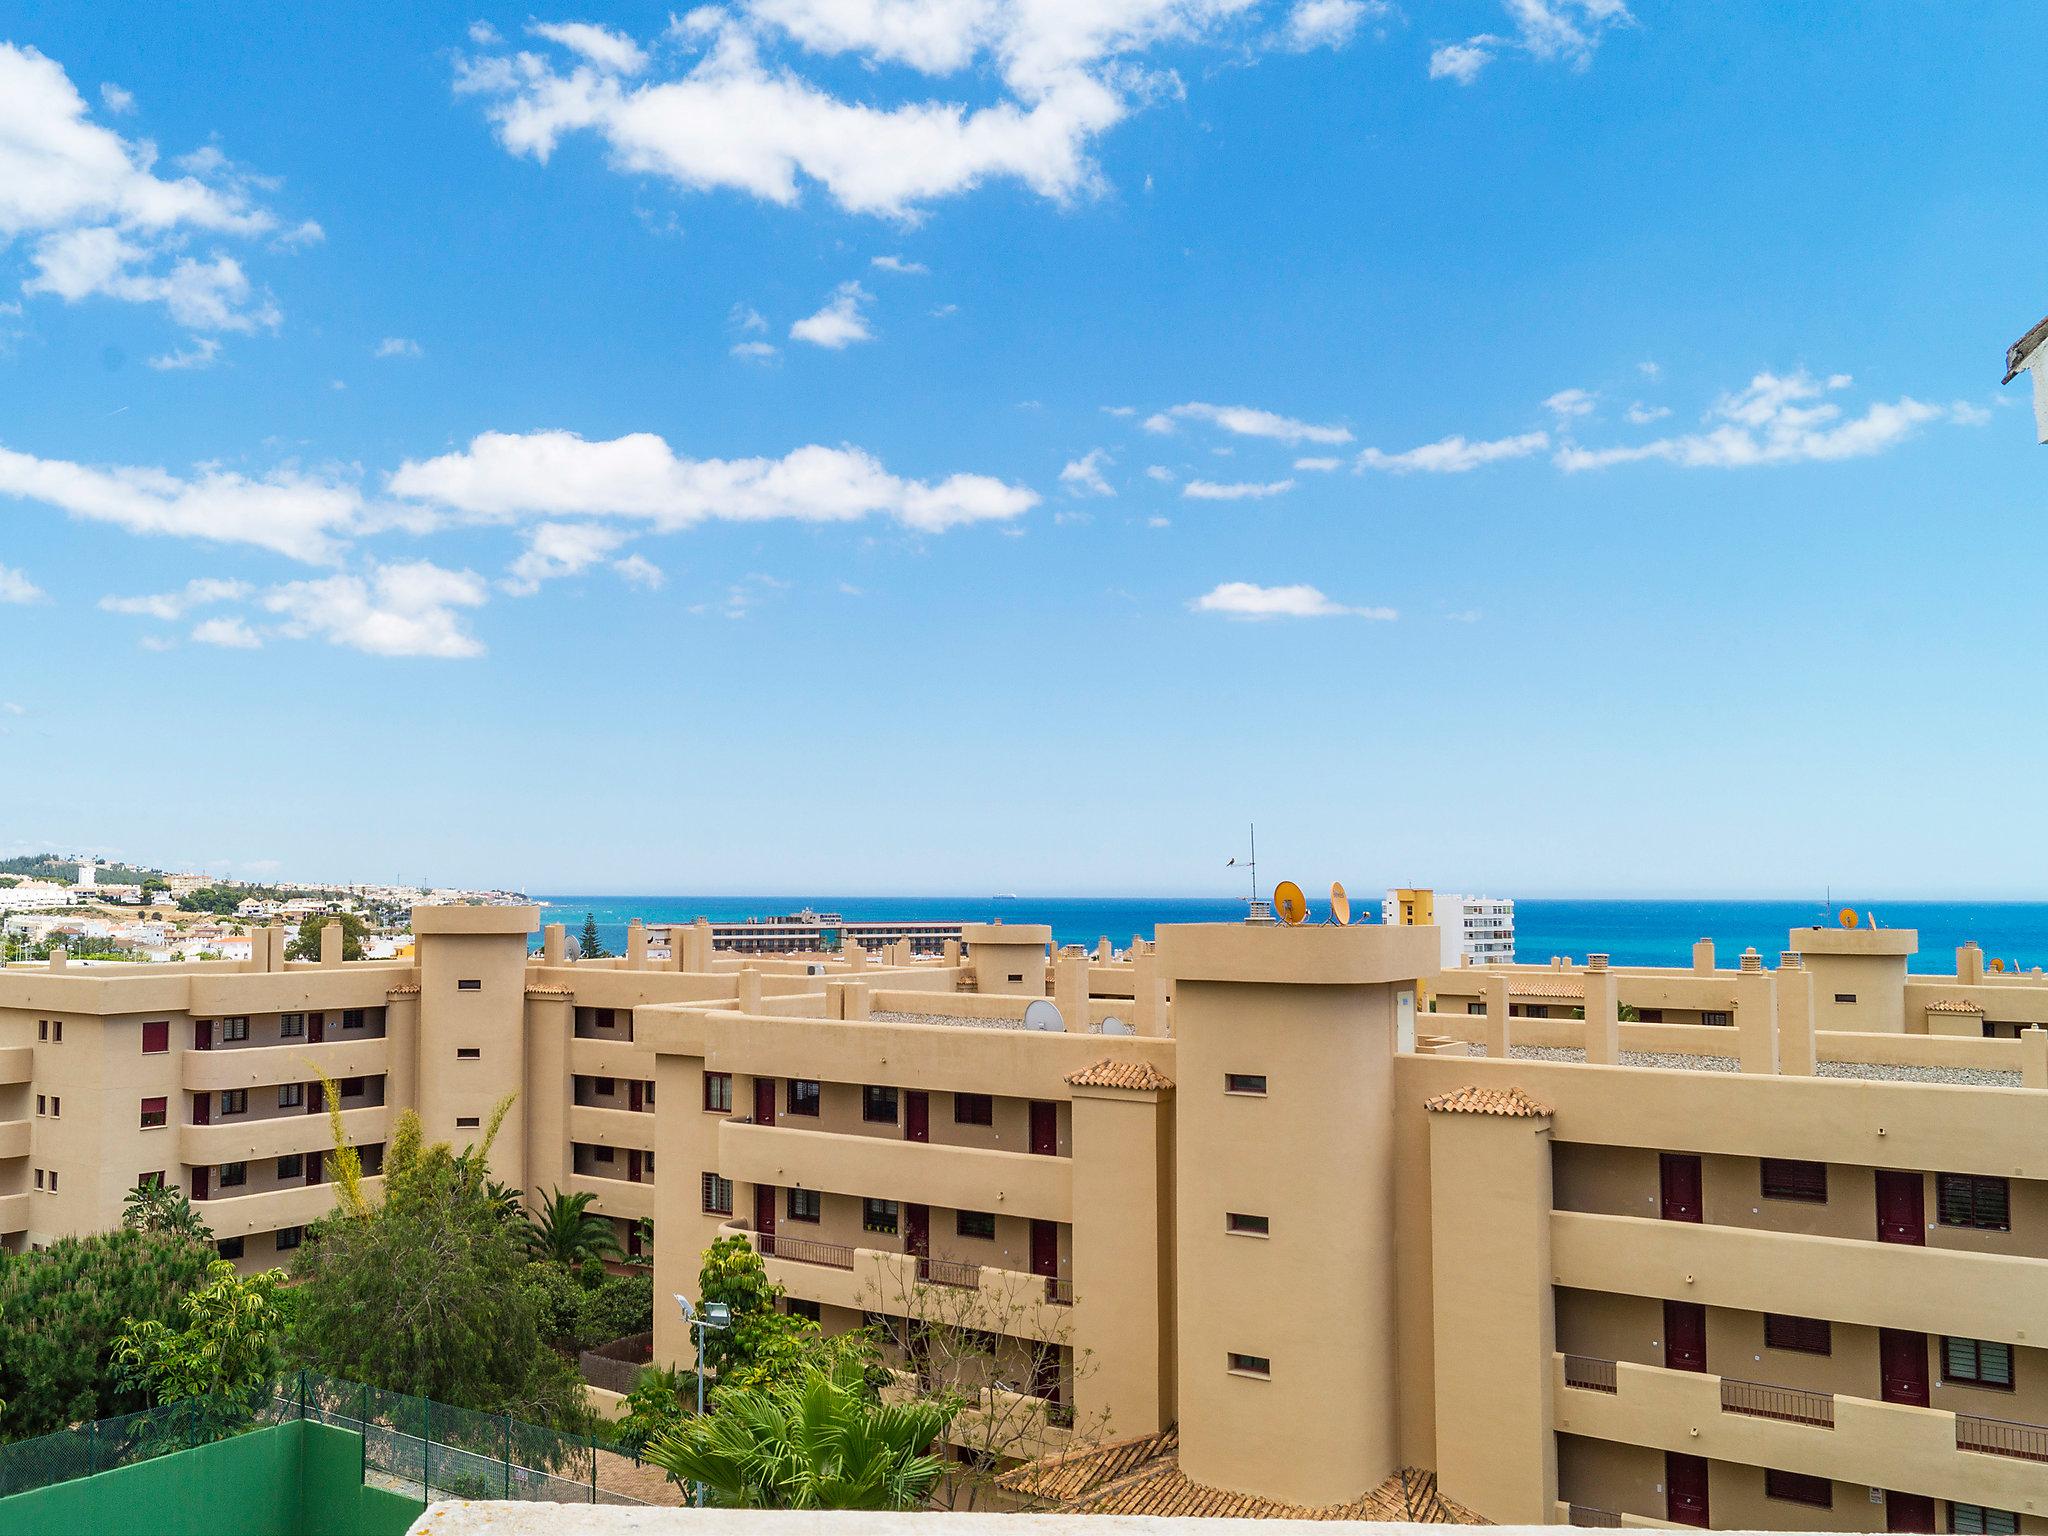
764, 1347
821, 1441
427, 1291
163, 1208
228, 1351
661, 1401
62, 1311
589, 946
566, 1231
305, 945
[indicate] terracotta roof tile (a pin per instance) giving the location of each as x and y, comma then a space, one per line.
1546, 989
409, 989
1137, 1075
1143, 1477
1954, 1005
1511, 1103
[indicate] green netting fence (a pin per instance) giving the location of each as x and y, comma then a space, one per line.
411, 1445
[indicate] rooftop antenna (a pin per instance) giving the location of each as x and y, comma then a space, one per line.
1257, 908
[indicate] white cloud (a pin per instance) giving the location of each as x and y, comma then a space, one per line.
15, 587
1318, 466
556, 474
1566, 31
96, 219
746, 319
201, 354
1083, 476
1642, 415
1330, 23
840, 323
738, 110
115, 99
945, 311
406, 609
168, 606
397, 346
232, 633
1650, 370
300, 516
1247, 600
1246, 421
1453, 455
1160, 473
1158, 522
302, 234
1210, 490
559, 549
639, 571
1571, 402
754, 351
613, 52
1781, 419
900, 267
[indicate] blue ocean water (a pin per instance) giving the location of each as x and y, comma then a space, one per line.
1631, 932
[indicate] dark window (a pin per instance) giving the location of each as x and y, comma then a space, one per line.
1245, 1082
155, 1112
796, 1306
1016, 978
1973, 1200
1250, 1365
1238, 1221
1976, 1520
1649, 1015
1845, 997
156, 1037
973, 1109
718, 1092
1535, 1011
603, 1087
469, 986
1475, 1008
291, 1026
42, 1029
803, 1096
878, 1215
289, 1238
229, 1247
805, 1205
1808, 1335
717, 1195
351, 1018
1719, 1018
150, 1180
234, 1101
604, 1018
602, 1154
1977, 1363
469, 1053
290, 1095
1787, 1178
233, 1175
351, 1087
1799, 1488
292, 1166
467, 1122
975, 1224
234, 1029
878, 1105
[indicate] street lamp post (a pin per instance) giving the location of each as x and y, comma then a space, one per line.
717, 1315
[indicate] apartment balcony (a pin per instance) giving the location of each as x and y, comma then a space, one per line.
17, 1064
240, 1215
13, 1138
267, 1066
616, 1197
1883, 1285
968, 1178
240, 1141
14, 1212
1849, 1439
611, 1058
597, 1126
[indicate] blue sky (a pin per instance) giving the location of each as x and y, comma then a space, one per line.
1550, 446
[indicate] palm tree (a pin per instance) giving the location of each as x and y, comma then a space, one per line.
163, 1208
565, 1231
822, 1441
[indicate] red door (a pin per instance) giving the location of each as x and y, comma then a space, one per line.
202, 1034
202, 1182
1908, 1511
764, 1212
633, 1164
316, 1028
633, 1096
1902, 1369
316, 1098
1685, 1336
316, 1162
1685, 1489
1045, 1128
764, 1101
202, 1109
917, 1117
917, 1232
1045, 1248
1679, 1173
1901, 1207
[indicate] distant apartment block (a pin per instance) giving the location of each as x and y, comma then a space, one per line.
1471, 930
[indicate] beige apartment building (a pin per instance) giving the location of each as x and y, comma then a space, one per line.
1741, 1247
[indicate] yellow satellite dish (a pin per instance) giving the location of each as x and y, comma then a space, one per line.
1997, 965
1340, 904
1849, 917
1288, 901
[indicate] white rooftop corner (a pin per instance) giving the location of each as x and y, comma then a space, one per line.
2027, 355
464, 1517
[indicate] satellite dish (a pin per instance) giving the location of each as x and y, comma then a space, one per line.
1044, 1015
1340, 904
1115, 1026
1848, 917
1289, 903
1997, 965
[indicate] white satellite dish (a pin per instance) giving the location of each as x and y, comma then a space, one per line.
1116, 1026
1046, 1016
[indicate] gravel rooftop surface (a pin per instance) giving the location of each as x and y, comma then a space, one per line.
1978, 1077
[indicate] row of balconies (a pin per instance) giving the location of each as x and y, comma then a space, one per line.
1025, 1184
243, 1215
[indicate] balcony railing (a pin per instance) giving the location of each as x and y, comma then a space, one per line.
2001, 1437
804, 1250
1589, 1374
1586, 1514
950, 1272
1789, 1405
1058, 1291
